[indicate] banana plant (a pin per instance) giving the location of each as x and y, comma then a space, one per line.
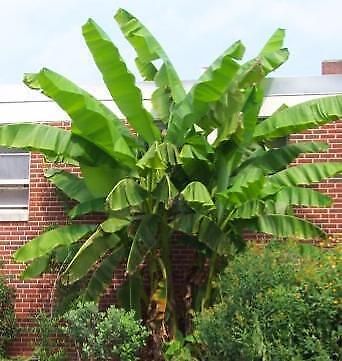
200, 164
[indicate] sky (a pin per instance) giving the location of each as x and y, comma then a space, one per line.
47, 33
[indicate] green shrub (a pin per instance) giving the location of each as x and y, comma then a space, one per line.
280, 303
104, 335
48, 346
8, 326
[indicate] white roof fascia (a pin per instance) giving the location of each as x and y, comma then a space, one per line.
21, 104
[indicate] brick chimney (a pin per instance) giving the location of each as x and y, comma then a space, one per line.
331, 67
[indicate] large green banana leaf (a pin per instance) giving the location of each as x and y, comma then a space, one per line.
300, 117
90, 252
197, 196
274, 43
103, 275
305, 174
300, 197
51, 141
204, 228
275, 160
272, 55
91, 120
146, 238
249, 75
248, 210
119, 81
113, 224
102, 177
250, 111
127, 193
36, 267
244, 97
47, 241
165, 192
70, 184
211, 86
246, 185
95, 205
148, 50
288, 226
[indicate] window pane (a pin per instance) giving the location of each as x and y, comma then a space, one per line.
14, 166
13, 197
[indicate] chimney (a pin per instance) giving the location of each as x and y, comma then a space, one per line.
331, 67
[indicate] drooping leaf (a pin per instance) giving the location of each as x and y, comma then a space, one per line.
249, 209
146, 237
197, 196
204, 228
36, 267
300, 117
46, 242
288, 226
127, 193
300, 197
90, 252
152, 159
51, 141
91, 120
305, 174
148, 49
119, 81
277, 159
196, 163
169, 154
96, 205
103, 275
70, 184
165, 191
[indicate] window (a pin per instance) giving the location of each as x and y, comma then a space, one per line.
14, 184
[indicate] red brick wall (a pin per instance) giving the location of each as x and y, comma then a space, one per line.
45, 209
332, 67
329, 219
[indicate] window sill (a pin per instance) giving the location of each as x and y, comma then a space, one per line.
14, 215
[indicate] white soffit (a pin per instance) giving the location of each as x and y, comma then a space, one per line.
21, 104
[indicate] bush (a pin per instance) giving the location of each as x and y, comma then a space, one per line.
48, 347
281, 303
104, 335
8, 326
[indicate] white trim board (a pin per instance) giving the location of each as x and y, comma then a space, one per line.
21, 104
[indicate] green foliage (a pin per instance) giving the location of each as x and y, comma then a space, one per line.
207, 168
48, 346
181, 349
104, 335
8, 326
281, 303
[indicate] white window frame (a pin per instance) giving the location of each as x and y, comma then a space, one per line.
16, 212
